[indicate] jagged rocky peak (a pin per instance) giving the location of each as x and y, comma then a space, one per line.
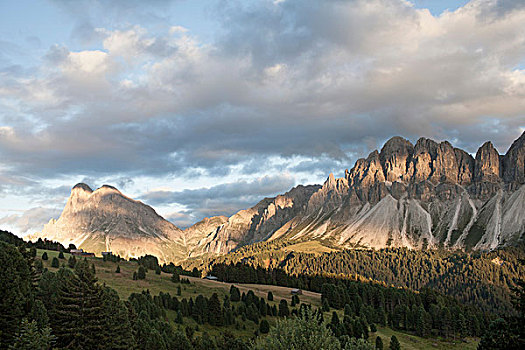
424, 152
367, 172
514, 162
444, 165
465, 166
395, 156
487, 165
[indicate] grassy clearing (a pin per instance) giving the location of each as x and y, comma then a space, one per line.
412, 342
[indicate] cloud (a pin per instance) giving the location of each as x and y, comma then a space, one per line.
29, 221
300, 86
224, 199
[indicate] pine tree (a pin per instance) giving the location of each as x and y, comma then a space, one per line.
118, 269
44, 256
117, 331
175, 278
30, 337
15, 292
141, 273
179, 318
270, 296
72, 261
379, 343
215, 314
77, 320
179, 291
235, 294
264, 327
55, 263
157, 270
394, 343
61, 255
283, 308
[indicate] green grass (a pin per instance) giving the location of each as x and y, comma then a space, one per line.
124, 284
412, 342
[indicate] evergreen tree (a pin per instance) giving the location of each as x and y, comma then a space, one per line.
117, 330
235, 294
394, 343
30, 337
135, 275
200, 309
141, 273
264, 327
72, 261
118, 269
270, 296
283, 308
157, 270
179, 291
500, 336
15, 292
61, 255
77, 320
298, 333
179, 318
55, 263
379, 343
44, 256
175, 278
215, 314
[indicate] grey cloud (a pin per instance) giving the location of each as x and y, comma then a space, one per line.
224, 199
29, 221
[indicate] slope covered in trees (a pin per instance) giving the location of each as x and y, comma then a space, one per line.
484, 279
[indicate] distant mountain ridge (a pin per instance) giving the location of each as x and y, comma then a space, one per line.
426, 195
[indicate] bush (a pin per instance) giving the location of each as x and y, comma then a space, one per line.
298, 333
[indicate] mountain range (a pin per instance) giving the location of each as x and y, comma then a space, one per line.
422, 196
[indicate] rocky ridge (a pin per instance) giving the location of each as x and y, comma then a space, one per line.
419, 196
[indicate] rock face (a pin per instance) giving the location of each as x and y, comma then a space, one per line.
424, 196
106, 220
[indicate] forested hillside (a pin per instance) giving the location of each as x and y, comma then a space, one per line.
53, 298
480, 278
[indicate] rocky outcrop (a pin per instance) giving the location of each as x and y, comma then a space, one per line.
514, 163
487, 165
107, 220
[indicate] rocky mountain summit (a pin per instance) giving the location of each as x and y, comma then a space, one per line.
420, 196
425, 195
106, 220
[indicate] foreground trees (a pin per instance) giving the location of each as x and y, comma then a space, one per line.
299, 333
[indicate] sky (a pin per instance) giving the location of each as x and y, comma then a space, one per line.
202, 108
